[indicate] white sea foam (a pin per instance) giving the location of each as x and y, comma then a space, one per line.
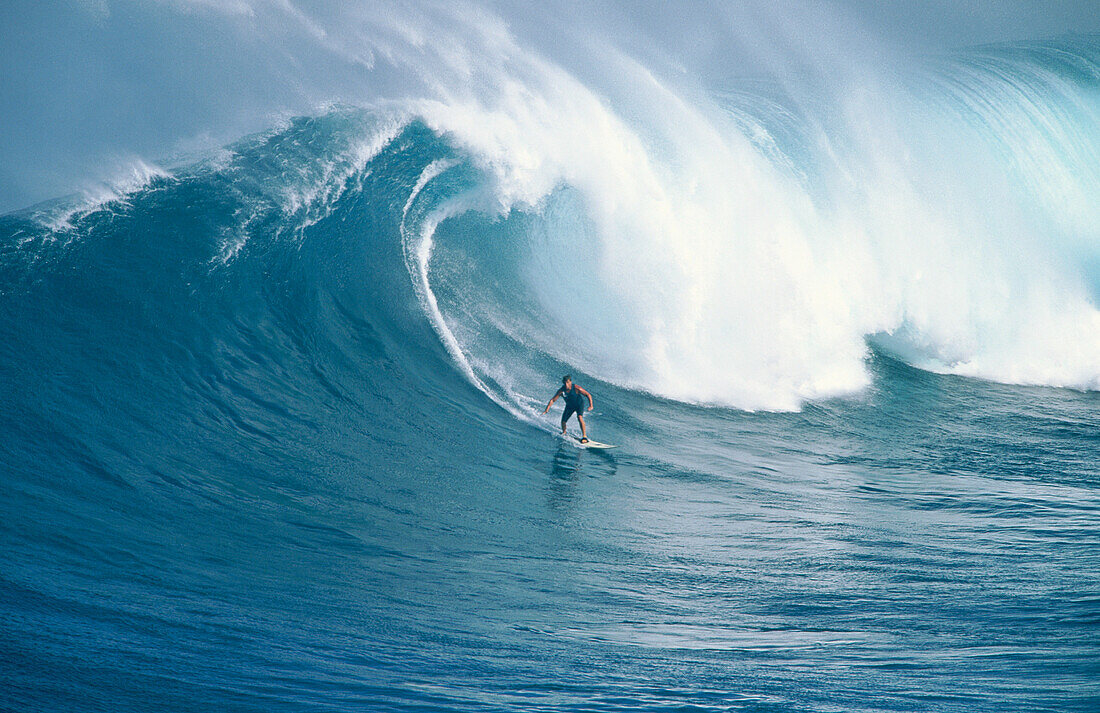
132, 176
737, 283
314, 194
311, 191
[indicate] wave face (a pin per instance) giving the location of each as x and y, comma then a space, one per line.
272, 439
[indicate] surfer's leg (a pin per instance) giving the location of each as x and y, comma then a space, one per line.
565, 417
584, 431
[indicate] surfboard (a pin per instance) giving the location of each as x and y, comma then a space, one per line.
592, 444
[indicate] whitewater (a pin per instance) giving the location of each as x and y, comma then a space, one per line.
272, 435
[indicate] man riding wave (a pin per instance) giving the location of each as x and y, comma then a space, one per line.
574, 404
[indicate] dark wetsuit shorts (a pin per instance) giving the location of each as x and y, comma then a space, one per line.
571, 409
574, 403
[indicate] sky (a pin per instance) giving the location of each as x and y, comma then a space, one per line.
90, 86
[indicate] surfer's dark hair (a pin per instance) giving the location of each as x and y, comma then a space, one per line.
567, 377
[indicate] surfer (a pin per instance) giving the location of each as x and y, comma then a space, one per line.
574, 404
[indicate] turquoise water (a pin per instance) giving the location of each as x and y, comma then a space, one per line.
253, 459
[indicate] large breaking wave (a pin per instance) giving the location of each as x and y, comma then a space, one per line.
251, 446
748, 248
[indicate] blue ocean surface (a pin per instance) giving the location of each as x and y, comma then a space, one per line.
271, 435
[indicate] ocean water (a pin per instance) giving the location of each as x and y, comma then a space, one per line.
271, 434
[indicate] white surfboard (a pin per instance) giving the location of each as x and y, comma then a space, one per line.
592, 444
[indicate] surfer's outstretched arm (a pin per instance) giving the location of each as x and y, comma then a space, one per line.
556, 395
